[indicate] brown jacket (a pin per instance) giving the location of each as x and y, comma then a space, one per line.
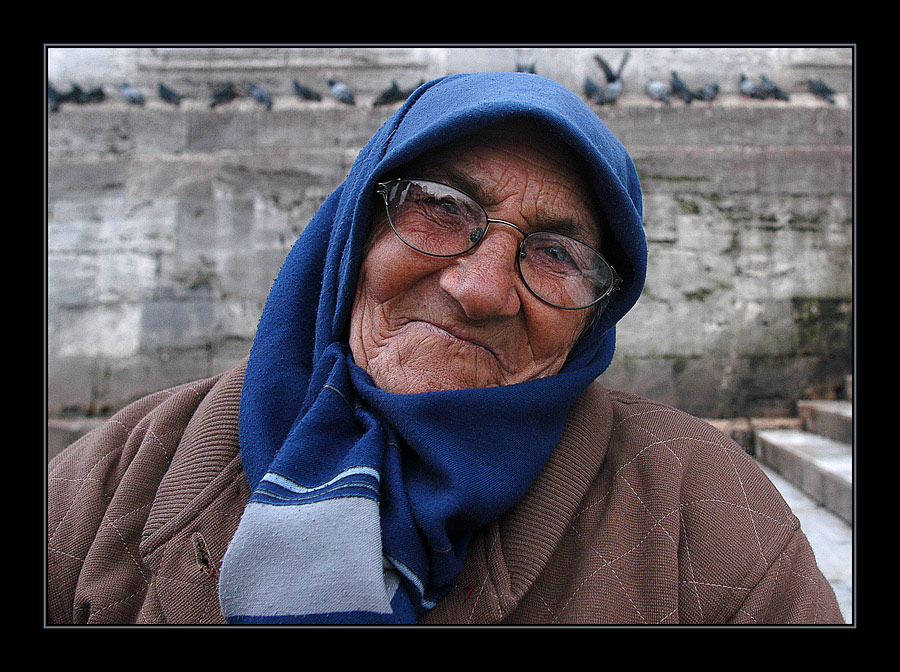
643, 515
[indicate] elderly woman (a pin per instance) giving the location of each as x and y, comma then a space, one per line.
417, 435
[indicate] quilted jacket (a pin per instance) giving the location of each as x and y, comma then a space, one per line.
643, 515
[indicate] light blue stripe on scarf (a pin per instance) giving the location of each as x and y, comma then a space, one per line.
364, 502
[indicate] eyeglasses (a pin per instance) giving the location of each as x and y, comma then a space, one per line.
441, 221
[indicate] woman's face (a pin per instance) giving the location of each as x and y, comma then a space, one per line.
423, 323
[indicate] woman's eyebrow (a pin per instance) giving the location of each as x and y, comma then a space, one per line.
543, 222
460, 180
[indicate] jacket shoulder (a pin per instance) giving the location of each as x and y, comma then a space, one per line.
717, 479
738, 540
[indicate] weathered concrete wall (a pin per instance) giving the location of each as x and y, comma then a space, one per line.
166, 226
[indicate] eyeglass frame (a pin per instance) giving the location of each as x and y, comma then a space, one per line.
383, 187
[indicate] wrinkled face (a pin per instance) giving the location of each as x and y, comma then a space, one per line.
423, 323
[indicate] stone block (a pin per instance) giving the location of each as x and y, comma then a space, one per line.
731, 121
71, 384
112, 330
832, 419
757, 169
176, 323
73, 178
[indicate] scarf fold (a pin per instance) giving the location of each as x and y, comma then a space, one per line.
364, 501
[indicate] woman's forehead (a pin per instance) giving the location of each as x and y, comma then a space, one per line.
510, 157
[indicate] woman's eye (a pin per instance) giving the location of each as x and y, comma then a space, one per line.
445, 204
558, 253
449, 205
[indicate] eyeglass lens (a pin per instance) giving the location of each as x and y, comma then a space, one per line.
439, 220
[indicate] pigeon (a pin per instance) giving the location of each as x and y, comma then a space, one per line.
748, 89
409, 91
131, 94
94, 95
224, 94
341, 92
168, 95
392, 94
305, 93
75, 94
54, 98
591, 90
771, 90
680, 89
707, 93
526, 62
261, 95
821, 89
658, 91
614, 81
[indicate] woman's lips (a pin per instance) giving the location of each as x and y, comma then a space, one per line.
454, 335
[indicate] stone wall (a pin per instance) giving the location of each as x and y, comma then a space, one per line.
166, 225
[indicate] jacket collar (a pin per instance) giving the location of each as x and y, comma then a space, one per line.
503, 561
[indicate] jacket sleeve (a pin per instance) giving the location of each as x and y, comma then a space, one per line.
792, 590
81, 482
99, 493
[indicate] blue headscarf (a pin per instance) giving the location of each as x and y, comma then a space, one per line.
364, 501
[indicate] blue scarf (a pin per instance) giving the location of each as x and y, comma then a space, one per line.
364, 502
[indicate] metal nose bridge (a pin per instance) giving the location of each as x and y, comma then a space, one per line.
503, 221
520, 251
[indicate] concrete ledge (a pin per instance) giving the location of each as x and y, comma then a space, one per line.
820, 467
832, 419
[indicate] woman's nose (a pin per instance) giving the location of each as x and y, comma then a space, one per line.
485, 281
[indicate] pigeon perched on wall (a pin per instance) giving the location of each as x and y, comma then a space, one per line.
408, 92
770, 89
707, 93
591, 89
391, 94
261, 96
93, 95
821, 89
614, 82
168, 95
131, 94
526, 62
748, 88
223, 94
305, 93
658, 90
680, 89
54, 98
75, 94
340, 92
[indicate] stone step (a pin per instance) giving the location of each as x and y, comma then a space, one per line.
831, 419
743, 430
817, 465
